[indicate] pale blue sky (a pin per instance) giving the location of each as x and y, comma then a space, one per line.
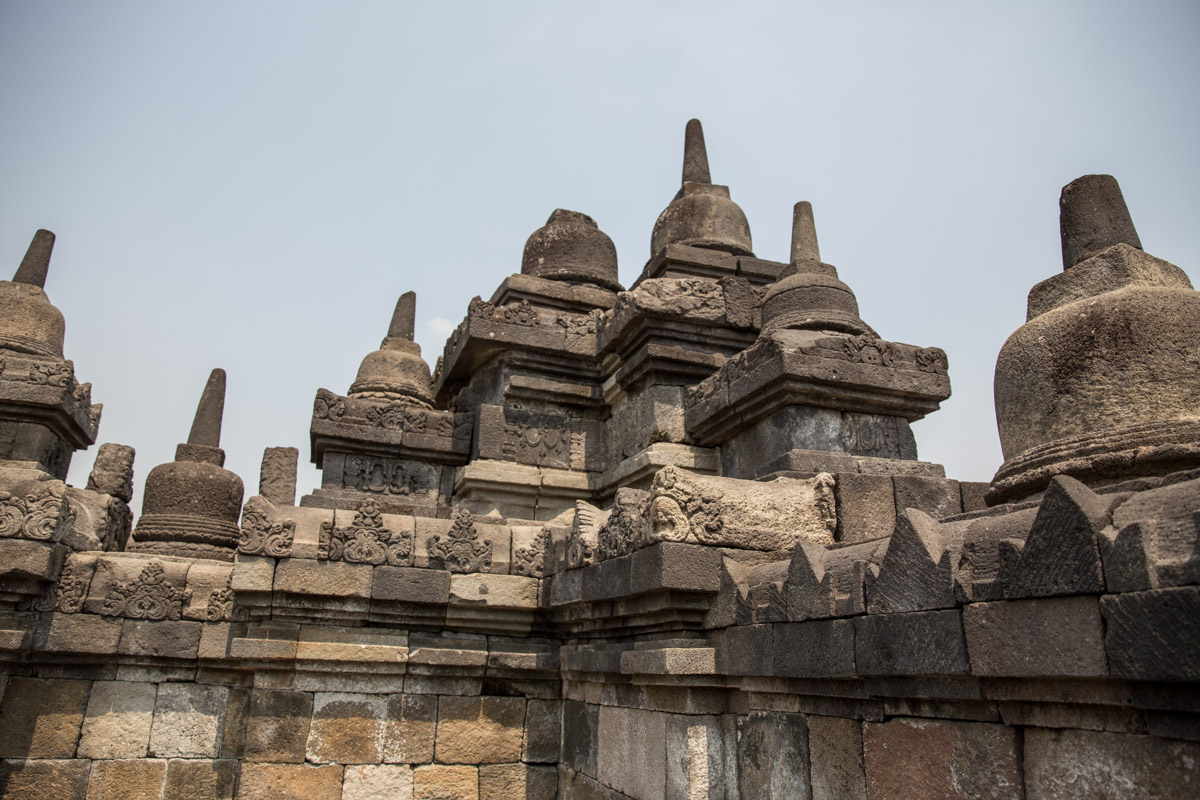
252, 185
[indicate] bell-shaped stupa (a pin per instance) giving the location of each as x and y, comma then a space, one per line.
190, 506
396, 370
1102, 382
701, 215
570, 247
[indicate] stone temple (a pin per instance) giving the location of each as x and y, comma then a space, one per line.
667, 542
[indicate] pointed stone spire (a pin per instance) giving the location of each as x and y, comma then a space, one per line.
404, 317
36, 263
804, 234
695, 156
1092, 218
206, 428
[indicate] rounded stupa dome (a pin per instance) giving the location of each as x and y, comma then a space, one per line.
571, 247
29, 323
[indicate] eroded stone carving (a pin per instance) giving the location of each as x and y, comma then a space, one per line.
60, 374
220, 603
530, 561
329, 406
365, 540
262, 536
40, 514
150, 596
519, 313
390, 477
867, 349
624, 530
461, 550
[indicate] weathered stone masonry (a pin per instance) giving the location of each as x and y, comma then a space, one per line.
664, 543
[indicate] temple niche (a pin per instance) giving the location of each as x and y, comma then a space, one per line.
667, 541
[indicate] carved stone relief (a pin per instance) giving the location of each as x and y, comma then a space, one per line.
365, 540
461, 550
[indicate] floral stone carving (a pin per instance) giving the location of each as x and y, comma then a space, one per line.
365, 540
262, 536
530, 561
461, 550
40, 514
150, 596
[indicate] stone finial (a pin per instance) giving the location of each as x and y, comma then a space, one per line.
804, 234
206, 427
277, 477
112, 473
1092, 218
695, 156
404, 317
36, 263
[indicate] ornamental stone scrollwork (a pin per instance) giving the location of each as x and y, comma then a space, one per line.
329, 406
579, 326
60, 375
932, 359
388, 477
82, 394
150, 596
365, 540
867, 349
879, 437
262, 536
519, 313
677, 511
220, 603
39, 515
528, 443
461, 550
67, 595
397, 417
624, 530
530, 561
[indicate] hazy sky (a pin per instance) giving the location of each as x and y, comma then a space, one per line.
253, 184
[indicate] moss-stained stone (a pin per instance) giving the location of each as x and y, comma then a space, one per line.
772, 755
42, 718
347, 728
188, 720
1109, 766
200, 779
127, 778
290, 782
517, 782
118, 719
44, 778
441, 782
480, 730
410, 729
632, 751
277, 725
378, 782
908, 758
835, 747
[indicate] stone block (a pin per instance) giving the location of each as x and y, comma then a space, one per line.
908, 758
1153, 635
77, 633
1108, 766
443, 782
188, 720
632, 751
498, 591
326, 578
200, 779
23, 559
22, 779
866, 506
277, 476
772, 755
290, 782
42, 718
1059, 637
517, 782
937, 497
277, 725
825, 582
973, 493
815, 649
746, 650
835, 748
676, 566
253, 574
165, 639
118, 719
347, 728
480, 730
377, 782
411, 725
411, 585
127, 778
696, 753
910, 644
580, 736
543, 731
